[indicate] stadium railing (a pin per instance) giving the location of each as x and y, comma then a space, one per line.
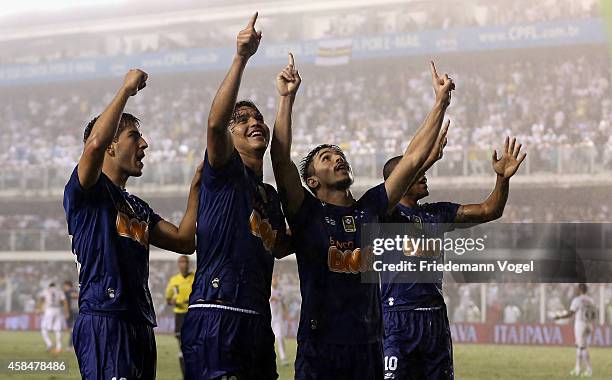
457, 163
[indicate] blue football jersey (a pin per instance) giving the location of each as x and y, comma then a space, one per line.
337, 306
398, 291
110, 238
239, 220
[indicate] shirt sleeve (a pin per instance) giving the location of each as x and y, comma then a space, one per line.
215, 179
575, 304
77, 198
76, 194
169, 291
376, 199
304, 213
154, 218
445, 214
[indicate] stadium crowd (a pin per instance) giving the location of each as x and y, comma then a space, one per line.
555, 104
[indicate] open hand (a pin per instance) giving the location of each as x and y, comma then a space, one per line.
510, 161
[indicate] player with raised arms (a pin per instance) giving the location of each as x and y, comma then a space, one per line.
417, 333
340, 329
585, 312
227, 331
111, 230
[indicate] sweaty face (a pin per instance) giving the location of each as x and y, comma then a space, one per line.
330, 169
249, 132
419, 189
129, 151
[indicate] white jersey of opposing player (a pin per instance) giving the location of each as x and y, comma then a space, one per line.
585, 313
52, 298
276, 305
53, 318
584, 309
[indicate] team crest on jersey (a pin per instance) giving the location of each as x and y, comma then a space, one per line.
133, 228
348, 222
414, 219
262, 229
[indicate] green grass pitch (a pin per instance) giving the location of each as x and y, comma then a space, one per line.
472, 362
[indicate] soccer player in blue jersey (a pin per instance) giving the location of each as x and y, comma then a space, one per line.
340, 329
417, 333
111, 230
227, 332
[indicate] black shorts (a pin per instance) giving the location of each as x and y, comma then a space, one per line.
326, 361
418, 345
107, 348
220, 343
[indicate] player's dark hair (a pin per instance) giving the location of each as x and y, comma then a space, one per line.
52, 284
306, 162
240, 104
583, 288
390, 165
127, 119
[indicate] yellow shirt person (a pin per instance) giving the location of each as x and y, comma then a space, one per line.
178, 290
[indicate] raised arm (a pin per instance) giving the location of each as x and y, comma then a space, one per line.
285, 172
419, 149
105, 128
493, 207
218, 138
437, 152
180, 239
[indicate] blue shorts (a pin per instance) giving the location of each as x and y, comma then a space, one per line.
322, 361
107, 347
219, 343
418, 345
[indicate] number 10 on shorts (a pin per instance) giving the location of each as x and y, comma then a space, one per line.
390, 363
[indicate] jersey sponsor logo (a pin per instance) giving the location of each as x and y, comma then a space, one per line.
263, 230
342, 258
132, 228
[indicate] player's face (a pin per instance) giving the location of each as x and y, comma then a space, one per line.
129, 151
183, 265
332, 170
419, 189
249, 132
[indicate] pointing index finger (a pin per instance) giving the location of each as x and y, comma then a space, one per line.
434, 72
252, 21
291, 60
